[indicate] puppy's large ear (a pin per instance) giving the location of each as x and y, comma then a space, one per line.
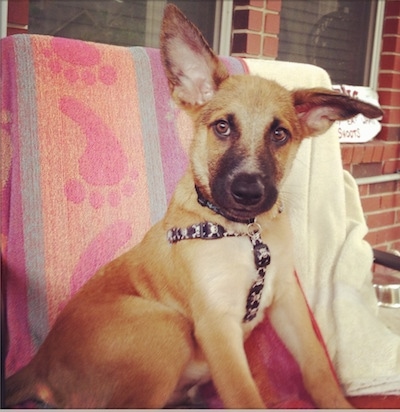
318, 108
193, 70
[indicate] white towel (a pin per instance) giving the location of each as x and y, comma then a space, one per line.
332, 259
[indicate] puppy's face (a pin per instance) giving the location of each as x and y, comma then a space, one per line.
247, 129
245, 140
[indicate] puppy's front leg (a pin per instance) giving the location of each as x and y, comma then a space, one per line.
221, 339
290, 317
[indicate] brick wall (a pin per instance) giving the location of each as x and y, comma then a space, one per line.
389, 75
255, 28
256, 34
380, 201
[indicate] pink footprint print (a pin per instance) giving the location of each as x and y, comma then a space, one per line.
103, 165
79, 63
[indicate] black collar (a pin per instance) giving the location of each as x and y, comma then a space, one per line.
206, 203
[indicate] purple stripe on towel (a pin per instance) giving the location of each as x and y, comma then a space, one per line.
14, 264
173, 155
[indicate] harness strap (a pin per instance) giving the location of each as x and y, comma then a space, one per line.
262, 256
203, 230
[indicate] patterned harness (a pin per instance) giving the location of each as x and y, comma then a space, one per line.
209, 230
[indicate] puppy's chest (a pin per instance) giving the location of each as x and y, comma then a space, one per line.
227, 271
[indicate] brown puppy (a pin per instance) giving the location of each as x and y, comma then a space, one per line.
175, 310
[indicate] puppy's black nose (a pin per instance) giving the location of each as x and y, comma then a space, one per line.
247, 189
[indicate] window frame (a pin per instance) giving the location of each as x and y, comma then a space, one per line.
223, 33
223, 27
376, 45
3, 18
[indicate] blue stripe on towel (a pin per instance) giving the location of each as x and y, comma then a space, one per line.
151, 139
31, 194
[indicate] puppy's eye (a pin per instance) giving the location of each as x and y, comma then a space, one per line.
280, 136
222, 129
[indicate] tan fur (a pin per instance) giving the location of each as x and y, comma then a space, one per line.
162, 318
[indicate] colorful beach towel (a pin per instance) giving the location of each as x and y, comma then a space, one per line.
92, 150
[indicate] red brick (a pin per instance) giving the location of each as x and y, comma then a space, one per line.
18, 12
385, 187
240, 19
392, 8
11, 31
239, 43
272, 23
391, 25
371, 203
363, 190
255, 20
386, 218
257, 3
367, 169
389, 98
391, 151
390, 62
390, 133
372, 237
391, 43
248, 19
390, 201
395, 246
368, 152
270, 48
378, 152
347, 167
275, 5
347, 153
254, 3
247, 43
391, 115
391, 166
254, 44
358, 154
389, 80
388, 235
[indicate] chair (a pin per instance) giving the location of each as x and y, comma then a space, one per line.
92, 148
